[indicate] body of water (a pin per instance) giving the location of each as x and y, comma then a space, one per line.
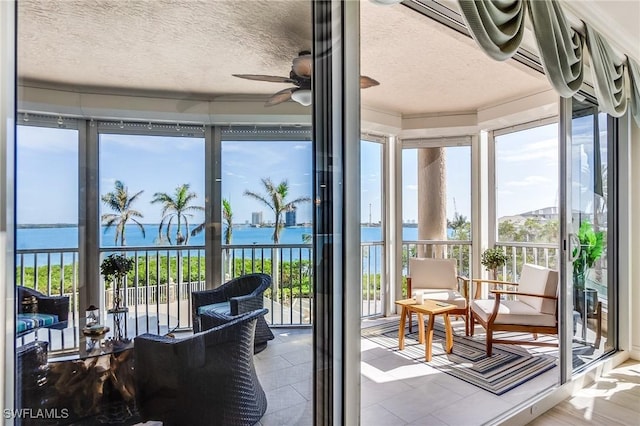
67, 237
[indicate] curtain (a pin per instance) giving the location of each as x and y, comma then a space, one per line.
608, 74
634, 80
496, 25
559, 45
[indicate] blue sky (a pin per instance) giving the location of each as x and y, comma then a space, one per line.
527, 170
527, 174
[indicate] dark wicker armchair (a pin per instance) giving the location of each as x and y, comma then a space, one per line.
211, 308
205, 379
52, 311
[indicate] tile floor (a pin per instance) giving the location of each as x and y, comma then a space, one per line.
394, 390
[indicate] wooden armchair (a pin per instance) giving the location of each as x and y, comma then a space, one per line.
438, 280
534, 309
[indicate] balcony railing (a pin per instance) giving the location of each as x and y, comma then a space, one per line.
290, 299
160, 285
546, 255
372, 284
448, 249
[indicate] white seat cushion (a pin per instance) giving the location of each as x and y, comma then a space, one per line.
539, 280
444, 295
433, 273
513, 312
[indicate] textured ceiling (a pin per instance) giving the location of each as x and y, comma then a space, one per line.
191, 48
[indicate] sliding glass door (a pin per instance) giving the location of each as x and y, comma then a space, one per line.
589, 212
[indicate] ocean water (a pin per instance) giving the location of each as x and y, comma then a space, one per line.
60, 238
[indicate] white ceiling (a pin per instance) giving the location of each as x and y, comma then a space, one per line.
190, 48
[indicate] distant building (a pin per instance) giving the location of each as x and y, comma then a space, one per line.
290, 217
256, 218
544, 213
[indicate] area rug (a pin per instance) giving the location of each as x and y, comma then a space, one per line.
508, 367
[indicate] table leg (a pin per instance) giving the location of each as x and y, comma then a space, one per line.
448, 332
403, 317
429, 338
420, 328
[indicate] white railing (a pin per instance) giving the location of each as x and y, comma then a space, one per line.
448, 249
546, 255
161, 287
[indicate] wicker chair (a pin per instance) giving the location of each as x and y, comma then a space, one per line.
211, 308
205, 379
31, 376
52, 311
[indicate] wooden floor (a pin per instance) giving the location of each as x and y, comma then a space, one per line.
614, 399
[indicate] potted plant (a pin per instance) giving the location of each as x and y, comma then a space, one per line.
114, 268
492, 259
585, 256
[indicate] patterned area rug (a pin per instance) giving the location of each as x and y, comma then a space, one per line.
507, 368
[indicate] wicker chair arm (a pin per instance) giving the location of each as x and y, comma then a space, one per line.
229, 330
189, 351
207, 297
58, 305
247, 303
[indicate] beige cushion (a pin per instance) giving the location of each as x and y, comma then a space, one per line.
433, 273
539, 280
446, 295
513, 312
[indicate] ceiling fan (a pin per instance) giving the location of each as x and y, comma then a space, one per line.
300, 77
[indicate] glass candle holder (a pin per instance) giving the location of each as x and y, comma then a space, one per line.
92, 315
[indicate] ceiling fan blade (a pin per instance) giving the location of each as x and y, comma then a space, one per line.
281, 96
302, 66
366, 82
271, 78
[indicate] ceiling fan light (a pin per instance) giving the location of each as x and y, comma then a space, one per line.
302, 96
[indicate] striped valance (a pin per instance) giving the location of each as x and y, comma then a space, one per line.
498, 27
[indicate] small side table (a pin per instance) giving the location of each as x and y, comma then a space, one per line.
431, 308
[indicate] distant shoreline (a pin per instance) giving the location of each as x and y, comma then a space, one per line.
46, 225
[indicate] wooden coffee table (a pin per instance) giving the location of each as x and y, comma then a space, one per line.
431, 308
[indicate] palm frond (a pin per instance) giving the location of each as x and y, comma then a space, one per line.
141, 226
259, 198
198, 229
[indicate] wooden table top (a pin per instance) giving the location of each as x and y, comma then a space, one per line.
427, 307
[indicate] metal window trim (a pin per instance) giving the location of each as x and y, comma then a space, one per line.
8, 102
336, 124
565, 300
51, 121
526, 126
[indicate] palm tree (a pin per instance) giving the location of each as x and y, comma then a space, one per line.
275, 199
227, 215
176, 207
120, 202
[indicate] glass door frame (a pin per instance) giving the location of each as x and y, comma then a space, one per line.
615, 218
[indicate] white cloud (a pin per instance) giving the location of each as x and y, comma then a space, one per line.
529, 181
412, 187
545, 149
236, 175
